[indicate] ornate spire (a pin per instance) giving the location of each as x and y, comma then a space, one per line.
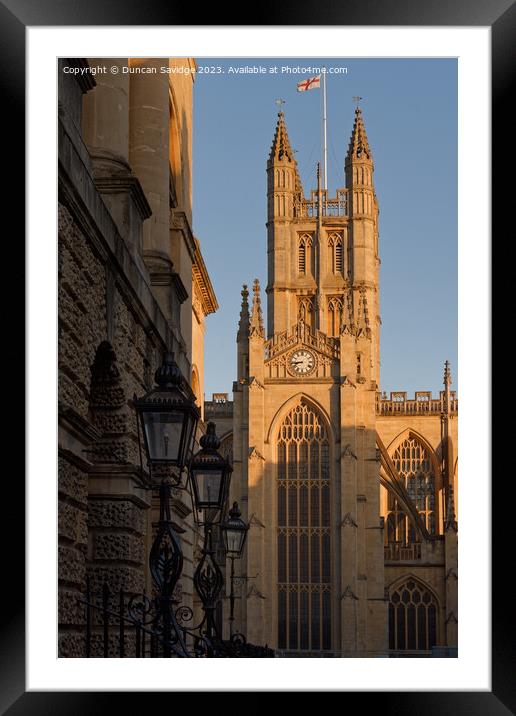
358, 144
281, 148
243, 323
363, 315
348, 321
256, 323
451, 521
447, 381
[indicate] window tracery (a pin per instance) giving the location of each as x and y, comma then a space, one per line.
412, 617
414, 465
305, 311
304, 569
334, 316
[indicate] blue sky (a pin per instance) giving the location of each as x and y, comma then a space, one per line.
410, 113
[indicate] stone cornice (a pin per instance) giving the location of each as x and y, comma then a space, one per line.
131, 185
202, 280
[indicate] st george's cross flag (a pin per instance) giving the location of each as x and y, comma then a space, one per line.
308, 84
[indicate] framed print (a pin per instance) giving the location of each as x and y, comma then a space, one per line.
233, 476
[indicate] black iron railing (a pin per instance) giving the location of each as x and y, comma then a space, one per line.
120, 625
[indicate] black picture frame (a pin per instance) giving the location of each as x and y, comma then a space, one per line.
15, 16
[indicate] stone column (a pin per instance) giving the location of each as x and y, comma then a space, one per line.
149, 153
106, 134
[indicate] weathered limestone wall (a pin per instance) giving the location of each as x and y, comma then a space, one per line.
113, 330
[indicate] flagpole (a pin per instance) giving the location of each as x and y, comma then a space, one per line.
325, 147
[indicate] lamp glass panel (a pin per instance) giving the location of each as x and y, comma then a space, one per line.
209, 484
234, 540
163, 434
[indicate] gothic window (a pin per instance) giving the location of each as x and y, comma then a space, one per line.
412, 617
414, 465
334, 316
304, 569
304, 256
305, 311
336, 253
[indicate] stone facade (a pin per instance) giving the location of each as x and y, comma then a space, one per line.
350, 496
129, 267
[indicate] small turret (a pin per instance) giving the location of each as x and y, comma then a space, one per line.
281, 149
283, 180
359, 169
243, 337
256, 322
243, 323
358, 149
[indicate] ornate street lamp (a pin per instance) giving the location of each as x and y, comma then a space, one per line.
168, 417
235, 533
210, 475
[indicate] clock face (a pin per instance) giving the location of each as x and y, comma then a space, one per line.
302, 362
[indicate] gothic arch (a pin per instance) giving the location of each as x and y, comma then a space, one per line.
411, 433
400, 580
334, 316
196, 386
305, 255
391, 480
304, 528
424, 490
414, 614
287, 407
336, 251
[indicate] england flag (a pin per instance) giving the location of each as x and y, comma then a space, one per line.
308, 84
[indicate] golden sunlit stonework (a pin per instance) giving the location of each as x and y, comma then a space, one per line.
350, 493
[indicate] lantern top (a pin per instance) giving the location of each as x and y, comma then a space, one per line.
171, 389
209, 456
234, 512
168, 374
209, 441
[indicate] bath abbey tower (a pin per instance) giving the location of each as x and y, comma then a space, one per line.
350, 494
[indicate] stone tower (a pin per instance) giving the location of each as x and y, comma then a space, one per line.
307, 471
